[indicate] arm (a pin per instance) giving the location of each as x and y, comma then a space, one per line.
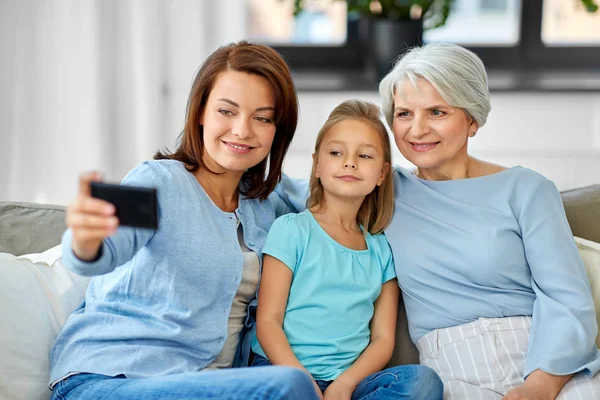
563, 329
290, 195
383, 334
272, 301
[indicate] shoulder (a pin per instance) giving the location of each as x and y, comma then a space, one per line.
293, 220
526, 182
379, 245
296, 224
156, 172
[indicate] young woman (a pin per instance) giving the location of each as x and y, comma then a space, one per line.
328, 296
165, 306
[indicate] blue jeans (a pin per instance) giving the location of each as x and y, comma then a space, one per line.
415, 382
234, 383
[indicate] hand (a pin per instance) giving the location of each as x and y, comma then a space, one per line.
527, 392
90, 219
338, 390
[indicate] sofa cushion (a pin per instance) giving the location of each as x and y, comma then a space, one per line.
37, 294
582, 207
590, 253
30, 228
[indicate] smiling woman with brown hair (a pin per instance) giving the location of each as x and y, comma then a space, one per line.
167, 305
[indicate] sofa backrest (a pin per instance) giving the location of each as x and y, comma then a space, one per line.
27, 228
582, 207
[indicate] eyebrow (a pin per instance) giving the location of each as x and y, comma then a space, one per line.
434, 107
343, 143
233, 103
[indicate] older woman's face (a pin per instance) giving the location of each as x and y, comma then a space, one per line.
428, 132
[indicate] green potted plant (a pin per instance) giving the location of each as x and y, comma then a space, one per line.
391, 26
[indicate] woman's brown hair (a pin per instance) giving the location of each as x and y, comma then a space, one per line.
253, 59
376, 211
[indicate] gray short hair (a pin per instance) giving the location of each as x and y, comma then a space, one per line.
456, 73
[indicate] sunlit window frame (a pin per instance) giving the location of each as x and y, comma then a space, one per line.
529, 53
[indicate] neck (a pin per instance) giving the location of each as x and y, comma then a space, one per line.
338, 211
222, 188
458, 168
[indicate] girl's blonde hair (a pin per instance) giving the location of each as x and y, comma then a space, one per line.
376, 211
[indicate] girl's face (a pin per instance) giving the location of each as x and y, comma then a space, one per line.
429, 132
238, 122
350, 161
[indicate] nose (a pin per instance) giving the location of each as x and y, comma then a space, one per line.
241, 128
420, 126
350, 163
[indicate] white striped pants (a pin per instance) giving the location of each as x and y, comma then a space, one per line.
484, 360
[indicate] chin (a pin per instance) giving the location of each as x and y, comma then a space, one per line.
237, 165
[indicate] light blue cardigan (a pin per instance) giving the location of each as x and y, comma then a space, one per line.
159, 300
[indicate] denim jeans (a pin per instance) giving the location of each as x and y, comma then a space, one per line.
233, 383
415, 382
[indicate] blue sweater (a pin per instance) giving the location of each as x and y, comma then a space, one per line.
494, 246
160, 300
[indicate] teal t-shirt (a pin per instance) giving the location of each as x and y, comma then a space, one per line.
332, 295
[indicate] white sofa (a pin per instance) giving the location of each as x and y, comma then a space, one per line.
37, 293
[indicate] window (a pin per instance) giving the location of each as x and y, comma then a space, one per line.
480, 23
506, 34
567, 23
322, 23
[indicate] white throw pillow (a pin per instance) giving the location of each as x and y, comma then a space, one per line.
37, 294
590, 253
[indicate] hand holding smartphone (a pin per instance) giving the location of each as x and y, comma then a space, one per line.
135, 206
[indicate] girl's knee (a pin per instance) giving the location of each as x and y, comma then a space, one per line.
292, 383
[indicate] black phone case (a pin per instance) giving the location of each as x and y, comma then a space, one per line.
135, 206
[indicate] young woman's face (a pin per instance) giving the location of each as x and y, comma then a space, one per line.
429, 132
238, 122
350, 162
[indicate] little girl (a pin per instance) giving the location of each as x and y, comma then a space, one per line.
328, 297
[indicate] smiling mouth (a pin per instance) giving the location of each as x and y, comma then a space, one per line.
239, 147
424, 146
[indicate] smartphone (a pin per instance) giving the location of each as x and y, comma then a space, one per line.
135, 206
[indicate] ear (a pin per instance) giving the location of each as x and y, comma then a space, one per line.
384, 172
473, 127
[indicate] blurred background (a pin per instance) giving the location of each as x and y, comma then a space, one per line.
103, 84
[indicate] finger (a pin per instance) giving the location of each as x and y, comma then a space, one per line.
91, 205
81, 221
85, 179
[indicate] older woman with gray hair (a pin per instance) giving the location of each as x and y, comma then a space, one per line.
497, 297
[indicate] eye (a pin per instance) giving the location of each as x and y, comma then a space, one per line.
225, 112
335, 153
438, 113
366, 156
264, 120
402, 114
